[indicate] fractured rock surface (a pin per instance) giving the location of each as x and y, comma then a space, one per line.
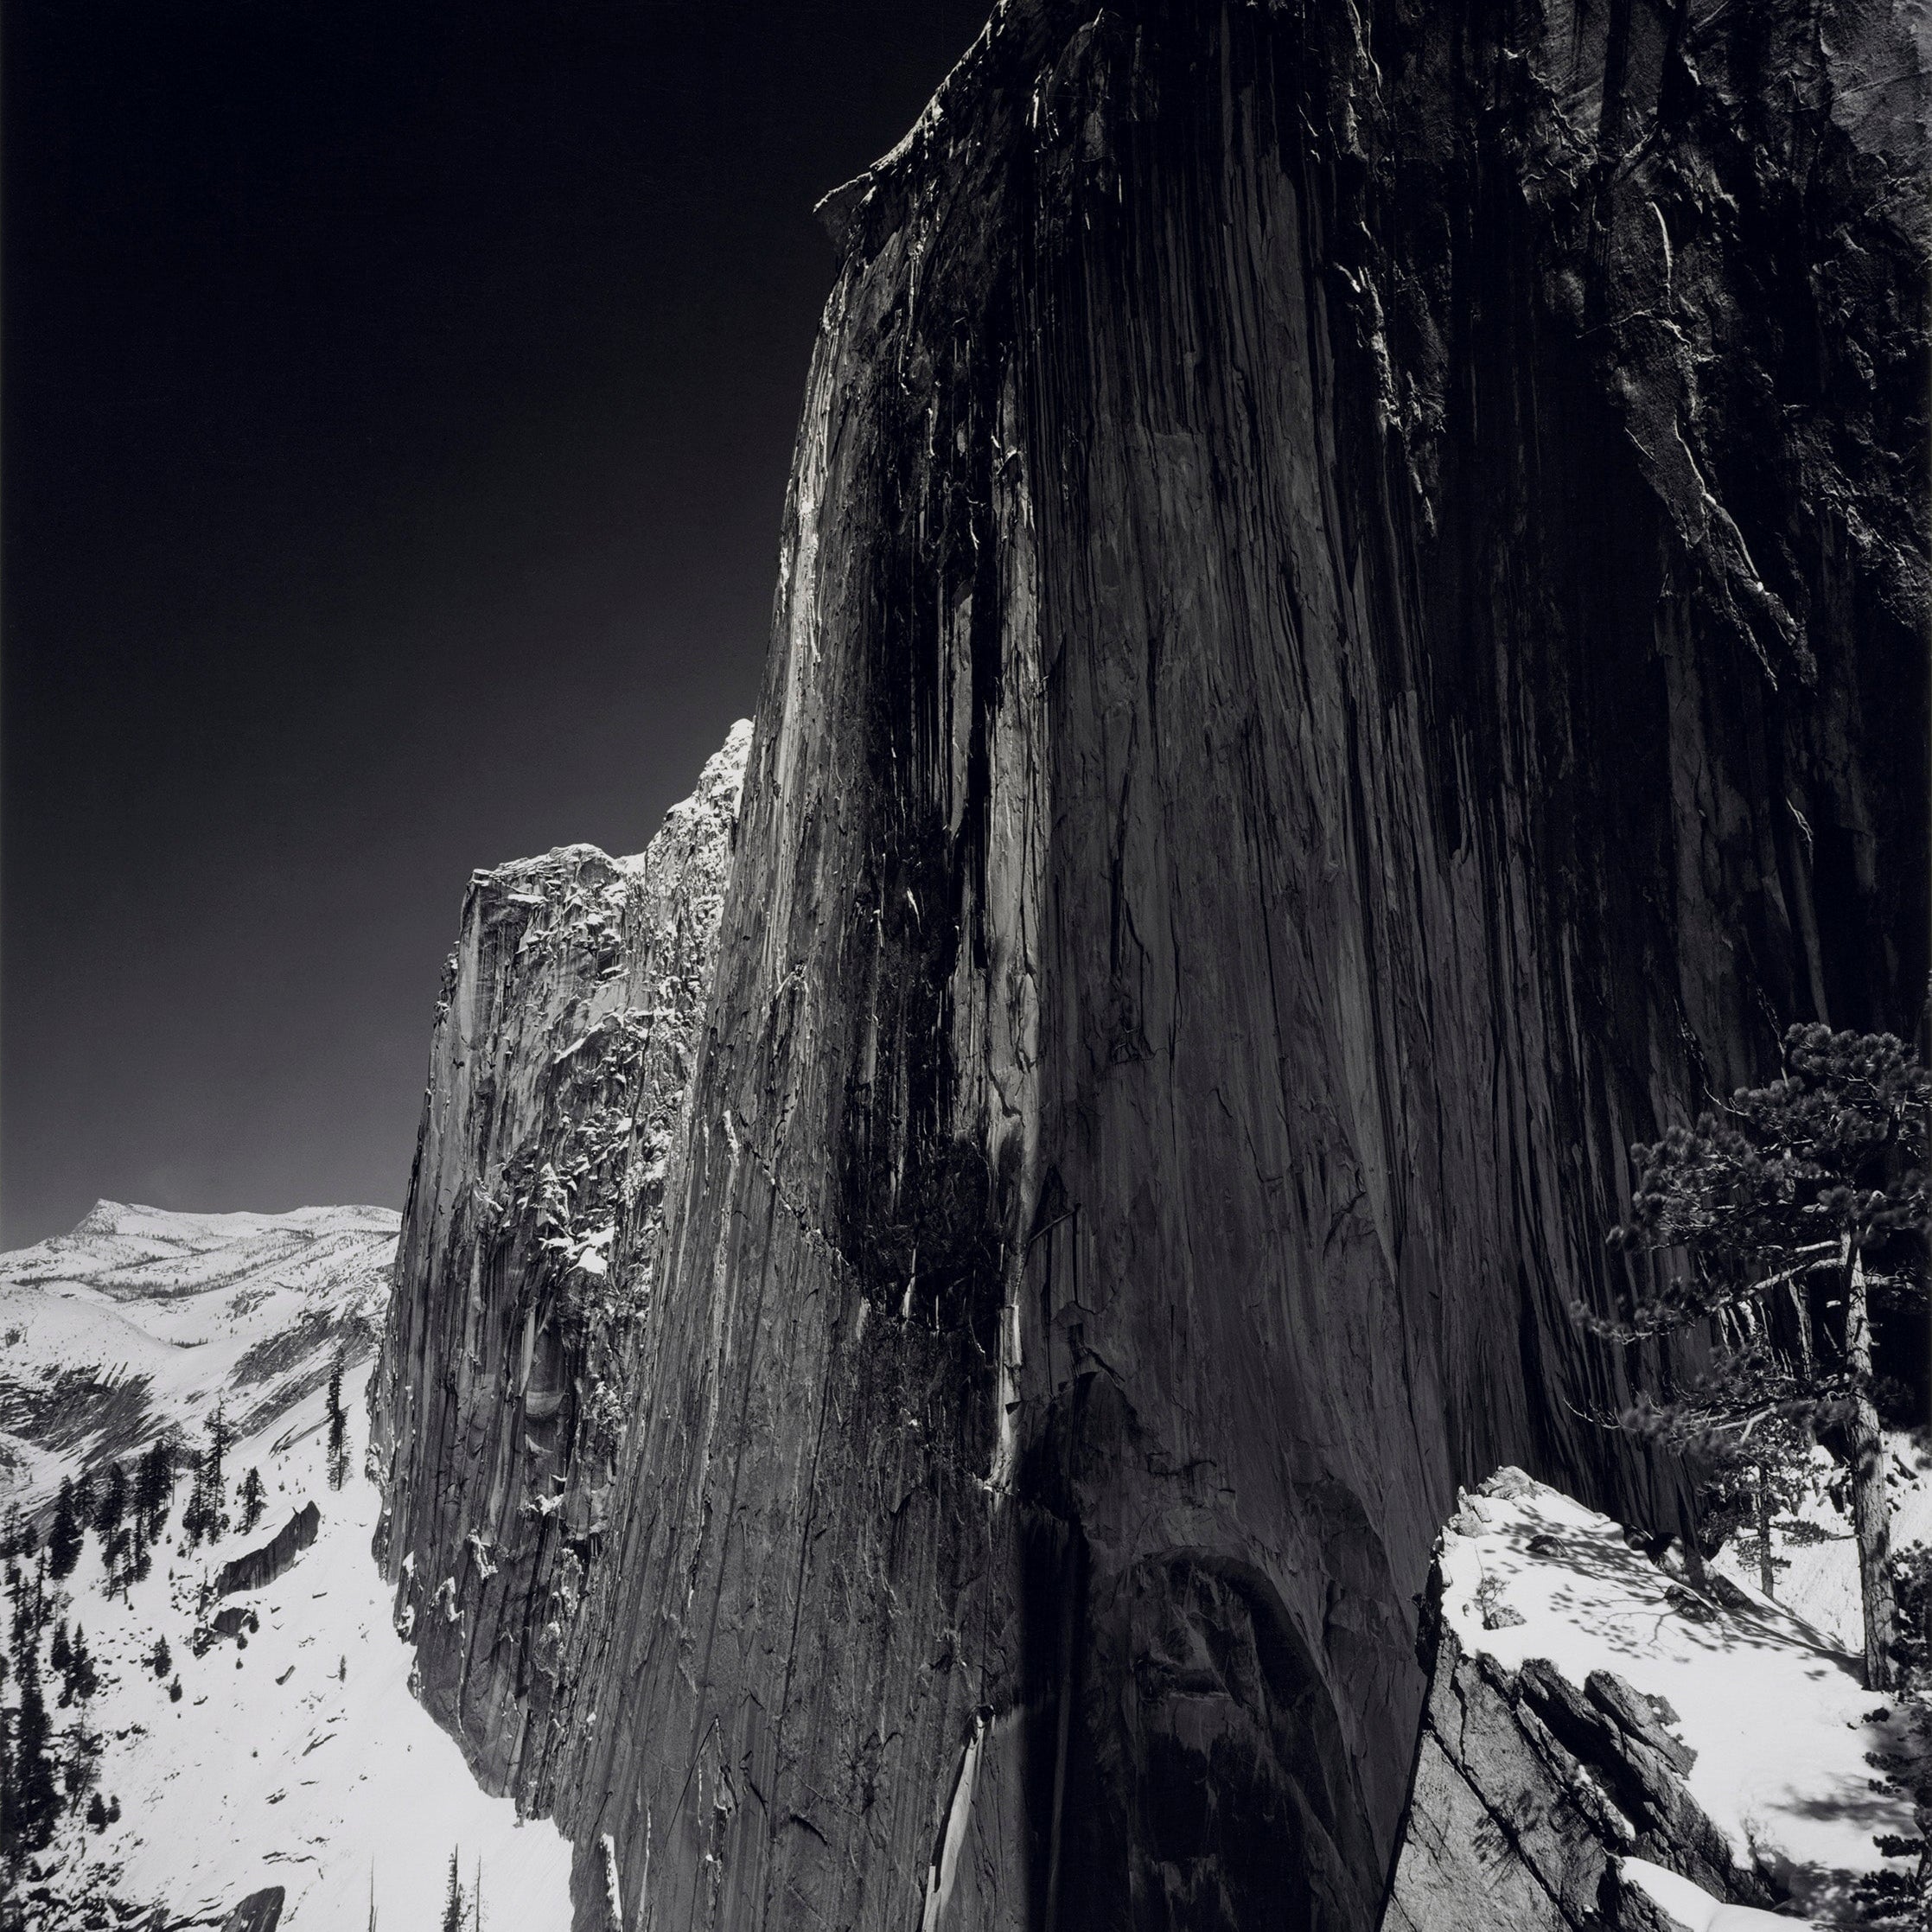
1349, 631
1599, 1737
256, 1569
552, 1128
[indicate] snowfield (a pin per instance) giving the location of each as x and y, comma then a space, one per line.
1774, 1707
296, 1755
131, 1326
1817, 1562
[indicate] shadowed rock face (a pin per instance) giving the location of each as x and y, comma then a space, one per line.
256, 1569
1348, 628
551, 1127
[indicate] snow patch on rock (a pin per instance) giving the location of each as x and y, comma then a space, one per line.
1773, 1708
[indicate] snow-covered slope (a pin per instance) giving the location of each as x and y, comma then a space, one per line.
1814, 1557
135, 1324
1775, 1711
296, 1755
1605, 1745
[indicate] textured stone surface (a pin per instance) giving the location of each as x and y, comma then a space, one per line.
255, 1569
1529, 1787
1349, 628
552, 1127
1526, 1793
261, 1911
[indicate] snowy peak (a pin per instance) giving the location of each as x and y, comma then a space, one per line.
141, 1319
131, 1252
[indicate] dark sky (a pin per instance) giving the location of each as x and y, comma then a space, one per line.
398, 401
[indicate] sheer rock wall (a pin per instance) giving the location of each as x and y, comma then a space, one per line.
1350, 628
551, 1127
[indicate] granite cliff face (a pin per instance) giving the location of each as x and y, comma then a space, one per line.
552, 1128
1349, 628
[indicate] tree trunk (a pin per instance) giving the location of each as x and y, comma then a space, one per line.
1870, 1506
1695, 1571
1766, 1577
1803, 1315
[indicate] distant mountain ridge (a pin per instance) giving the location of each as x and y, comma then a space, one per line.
124, 1249
133, 1327
135, 1323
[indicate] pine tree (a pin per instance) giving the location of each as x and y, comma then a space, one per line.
206, 1518
113, 1557
83, 1680
62, 1653
160, 1659
338, 1429
96, 1813
453, 1904
112, 1510
254, 1499
63, 1539
34, 1799
1814, 1181
154, 1486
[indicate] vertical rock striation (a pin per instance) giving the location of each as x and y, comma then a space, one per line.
1350, 626
552, 1128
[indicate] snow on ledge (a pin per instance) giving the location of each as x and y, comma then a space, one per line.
1693, 1907
1779, 1718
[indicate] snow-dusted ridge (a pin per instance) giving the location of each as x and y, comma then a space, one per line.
135, 1324
296, 1757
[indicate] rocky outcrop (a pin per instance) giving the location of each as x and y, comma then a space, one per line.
552, 1128
261, 1911
1526, 1794
1350, 634
1529, 1791
1600, 1738
255, 1569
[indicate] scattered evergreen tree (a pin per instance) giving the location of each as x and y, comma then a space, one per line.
82, 1771
453, 1904
96, 1813
111, 1510
34, 1798
1813, 1183
206, 1518
191, 1516
254, 1499
82, 1679
160, 1659
141, 1558
63, 1539
1745, 1481
27, 1589
338, 1429
61, 1656
175, 1691
155, 1487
